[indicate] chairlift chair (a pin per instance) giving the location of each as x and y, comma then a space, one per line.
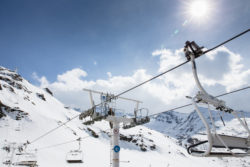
107, 108
97, 113
18, 128
6, 124
8, 147
7, 161
26, 159
140, 117
214, 140
75, 156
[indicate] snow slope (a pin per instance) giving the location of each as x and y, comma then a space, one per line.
27, 112
188, 126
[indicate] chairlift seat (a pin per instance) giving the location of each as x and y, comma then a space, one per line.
26, 163
231, 141
17, 129
218, 154
75, 156
26, 159
136, 122
7, 162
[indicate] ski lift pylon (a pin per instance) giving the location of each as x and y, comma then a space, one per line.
214, 140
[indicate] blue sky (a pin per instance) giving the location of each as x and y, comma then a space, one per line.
51, 37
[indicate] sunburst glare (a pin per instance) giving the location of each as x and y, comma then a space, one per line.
199, 10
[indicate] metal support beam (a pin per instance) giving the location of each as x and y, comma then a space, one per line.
116, 137
124, 98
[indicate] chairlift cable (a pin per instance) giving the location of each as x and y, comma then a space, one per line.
233, 91
38, 138
51, 146
53, 129
236, 36
169, 70
186, 105
71, 141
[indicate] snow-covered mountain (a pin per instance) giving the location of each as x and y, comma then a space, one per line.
28, 112
186, 127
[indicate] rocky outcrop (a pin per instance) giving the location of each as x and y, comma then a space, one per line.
144, 144
48, 91
41, 96
15, 112
13, 80
93, 133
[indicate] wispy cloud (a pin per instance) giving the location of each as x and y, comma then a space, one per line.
109, 74
42, 80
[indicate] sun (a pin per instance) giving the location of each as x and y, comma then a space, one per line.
199, 10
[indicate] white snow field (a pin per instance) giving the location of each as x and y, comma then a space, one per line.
27, 112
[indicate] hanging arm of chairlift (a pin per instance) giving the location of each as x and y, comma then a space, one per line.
193, 51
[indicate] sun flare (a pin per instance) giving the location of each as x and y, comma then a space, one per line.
199, 10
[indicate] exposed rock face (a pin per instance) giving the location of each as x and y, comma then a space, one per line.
41, 96
139, 140
48, 91
15, 112
12, 80
93, 133
2, 114
14, 83
9, 88
11, 74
